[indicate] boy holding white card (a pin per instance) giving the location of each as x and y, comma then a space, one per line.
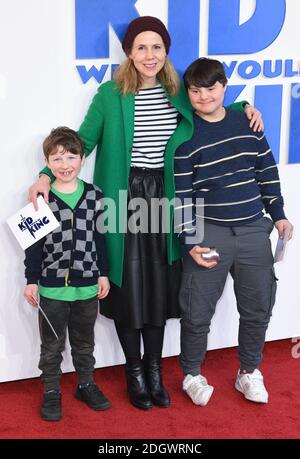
227, 175
69, 269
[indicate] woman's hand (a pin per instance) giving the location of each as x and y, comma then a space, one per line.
30, 293
103, 287
42, 185
255, 117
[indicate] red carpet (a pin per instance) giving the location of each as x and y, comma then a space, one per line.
228, 414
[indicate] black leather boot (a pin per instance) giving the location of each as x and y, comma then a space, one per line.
152, 366
137, 388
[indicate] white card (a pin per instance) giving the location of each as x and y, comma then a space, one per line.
280, 247
29, 226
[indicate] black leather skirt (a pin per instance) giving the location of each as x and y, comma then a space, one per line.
150, 288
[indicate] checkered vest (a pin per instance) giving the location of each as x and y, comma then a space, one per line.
74, 253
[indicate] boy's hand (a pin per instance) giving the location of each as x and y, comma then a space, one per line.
283, 226
31, 293
196, 255
42, 185
254, 115
103, 287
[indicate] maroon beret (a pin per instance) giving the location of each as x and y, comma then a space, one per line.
145, 24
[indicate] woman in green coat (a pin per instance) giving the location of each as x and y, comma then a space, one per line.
133, 122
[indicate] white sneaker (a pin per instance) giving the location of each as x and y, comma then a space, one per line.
252, 386
197, 389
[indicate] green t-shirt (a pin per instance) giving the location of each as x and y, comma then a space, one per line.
69, 293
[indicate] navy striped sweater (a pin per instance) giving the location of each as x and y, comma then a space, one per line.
232, 169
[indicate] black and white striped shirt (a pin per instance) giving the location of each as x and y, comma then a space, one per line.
155, 120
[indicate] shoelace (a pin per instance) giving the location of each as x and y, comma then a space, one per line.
256, 382
91, 388
52, 398
194, 383
94, 391
52, 393
53, 402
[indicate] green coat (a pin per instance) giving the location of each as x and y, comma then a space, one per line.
109, 125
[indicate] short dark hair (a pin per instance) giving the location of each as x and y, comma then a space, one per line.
65, 137
204, 72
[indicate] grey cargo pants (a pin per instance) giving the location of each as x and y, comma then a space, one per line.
245, 253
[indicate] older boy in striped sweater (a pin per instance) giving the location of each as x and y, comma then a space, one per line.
227, 176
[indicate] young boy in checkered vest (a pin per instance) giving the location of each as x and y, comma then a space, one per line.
69, 269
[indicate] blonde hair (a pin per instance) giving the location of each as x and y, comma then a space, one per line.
129, 80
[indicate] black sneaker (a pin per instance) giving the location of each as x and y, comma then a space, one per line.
93, 397
51, 406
